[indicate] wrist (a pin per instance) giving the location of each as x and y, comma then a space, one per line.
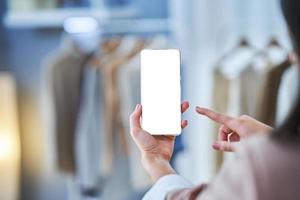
157, 166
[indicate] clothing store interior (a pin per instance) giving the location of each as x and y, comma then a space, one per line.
70, 78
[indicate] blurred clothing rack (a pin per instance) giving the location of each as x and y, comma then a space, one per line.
55, 18
137, 26
115, 21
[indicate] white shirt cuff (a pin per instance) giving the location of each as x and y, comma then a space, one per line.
166, 184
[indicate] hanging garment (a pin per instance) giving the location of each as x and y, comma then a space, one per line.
287, 94
128, 48
129, 89
254, 77
90, 141
111, 99
266, 111
63, 71
100, 59
250, 81
248, 76
227, 81
220, 92
94, 154
129, 84
114, 130
101, 163
229, 78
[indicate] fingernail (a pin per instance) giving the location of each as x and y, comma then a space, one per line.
216, 146
198, 109
137, 106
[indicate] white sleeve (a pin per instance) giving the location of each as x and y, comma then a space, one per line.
165, 185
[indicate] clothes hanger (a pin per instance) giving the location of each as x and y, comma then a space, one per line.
111, 44
105, 52
243, 43
274, 42
137, 47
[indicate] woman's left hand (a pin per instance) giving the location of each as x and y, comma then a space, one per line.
156, 150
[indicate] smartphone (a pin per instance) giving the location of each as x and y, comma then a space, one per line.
161, 91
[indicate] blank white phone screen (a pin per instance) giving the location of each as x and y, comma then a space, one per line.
160, 91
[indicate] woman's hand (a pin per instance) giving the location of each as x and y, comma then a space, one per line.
157, 150
233, 129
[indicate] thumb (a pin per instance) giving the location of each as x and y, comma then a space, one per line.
224, 146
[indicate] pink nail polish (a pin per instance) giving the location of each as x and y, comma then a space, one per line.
216, 146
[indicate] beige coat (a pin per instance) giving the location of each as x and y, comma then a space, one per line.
263, 169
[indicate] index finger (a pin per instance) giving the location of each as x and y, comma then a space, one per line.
217, 117
184, 106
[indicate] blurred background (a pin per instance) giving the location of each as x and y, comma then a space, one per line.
69, 78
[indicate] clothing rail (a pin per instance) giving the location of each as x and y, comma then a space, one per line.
137, 26
40, 19
116, 21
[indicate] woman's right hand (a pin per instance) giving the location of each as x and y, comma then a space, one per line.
233, 129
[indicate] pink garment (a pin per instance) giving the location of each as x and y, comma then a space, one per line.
263, 169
